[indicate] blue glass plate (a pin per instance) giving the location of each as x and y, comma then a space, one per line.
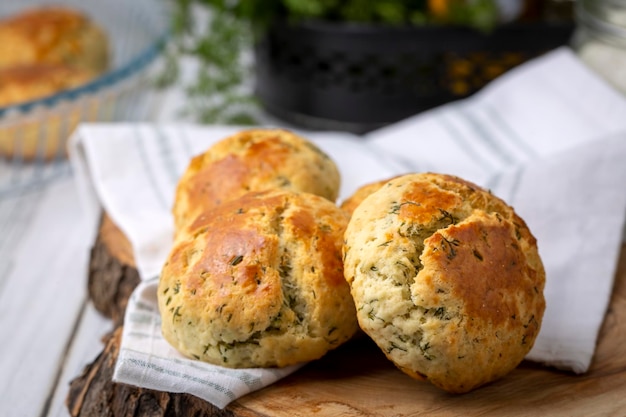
137, 30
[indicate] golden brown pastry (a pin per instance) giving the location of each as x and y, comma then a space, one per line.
258, 282
42, 136
253, 160
22, 84
53, 35
446, 279
44, 51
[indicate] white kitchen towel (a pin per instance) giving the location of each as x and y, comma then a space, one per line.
549, 137
131, 171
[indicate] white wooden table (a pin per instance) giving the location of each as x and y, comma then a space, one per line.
49, 328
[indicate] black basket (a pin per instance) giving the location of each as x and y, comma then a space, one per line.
357, 78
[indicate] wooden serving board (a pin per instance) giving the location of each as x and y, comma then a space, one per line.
357, 380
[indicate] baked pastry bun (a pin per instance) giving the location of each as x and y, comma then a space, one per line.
31, 138
44, 51
253, 160
258, 282
53, 35
22, 84
446, 279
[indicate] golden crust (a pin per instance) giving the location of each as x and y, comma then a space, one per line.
446, 279
258, 282
44, 51
253, 160
22, 84
53, 35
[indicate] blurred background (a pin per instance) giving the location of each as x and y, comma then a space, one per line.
347, 65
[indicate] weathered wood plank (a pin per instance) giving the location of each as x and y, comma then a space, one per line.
112, 274
94, 394
86, 344
41, 297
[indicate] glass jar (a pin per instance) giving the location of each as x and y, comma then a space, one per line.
600, 39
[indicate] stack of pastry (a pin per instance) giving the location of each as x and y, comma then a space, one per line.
442, 275
44, 51
255, 276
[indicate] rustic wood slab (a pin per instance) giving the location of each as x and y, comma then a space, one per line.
357, 380
112, 273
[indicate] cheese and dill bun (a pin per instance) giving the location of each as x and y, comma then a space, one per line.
253, 160
53, 35
44, 51
446, 279
258, 282
22, 84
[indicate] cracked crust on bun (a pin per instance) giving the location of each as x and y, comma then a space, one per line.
446, 279
258, 282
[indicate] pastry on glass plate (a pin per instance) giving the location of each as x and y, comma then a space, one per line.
45, 51
53, 35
